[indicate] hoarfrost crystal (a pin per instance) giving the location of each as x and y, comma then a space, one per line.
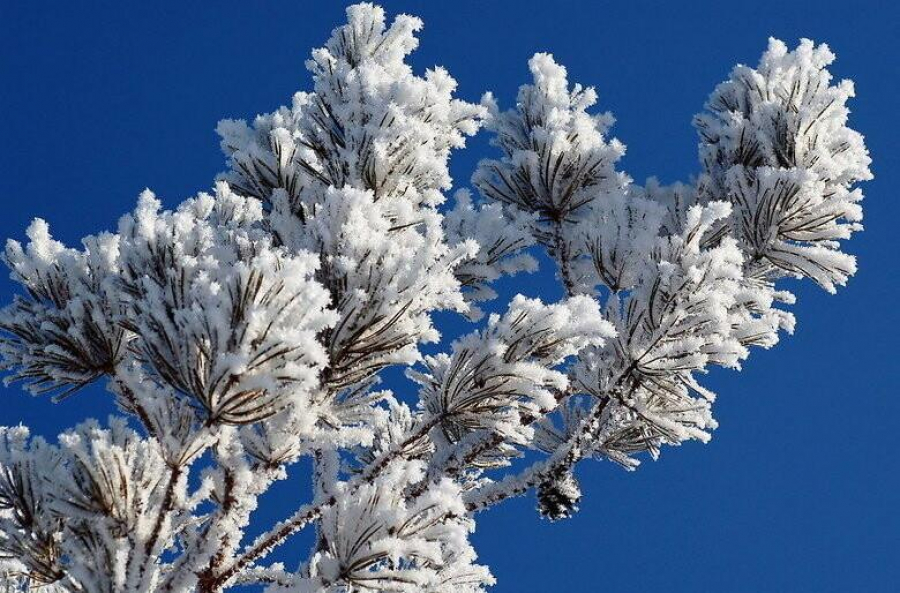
248, 328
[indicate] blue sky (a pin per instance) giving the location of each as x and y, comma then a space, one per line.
798, 490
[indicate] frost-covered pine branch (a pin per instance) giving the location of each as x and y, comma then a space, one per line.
247, 329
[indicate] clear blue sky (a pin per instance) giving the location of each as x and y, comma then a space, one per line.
798, 490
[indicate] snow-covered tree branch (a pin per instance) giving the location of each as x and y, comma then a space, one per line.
247, 329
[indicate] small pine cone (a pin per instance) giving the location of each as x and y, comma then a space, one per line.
558, 498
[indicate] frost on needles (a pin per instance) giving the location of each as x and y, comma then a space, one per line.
247, 329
